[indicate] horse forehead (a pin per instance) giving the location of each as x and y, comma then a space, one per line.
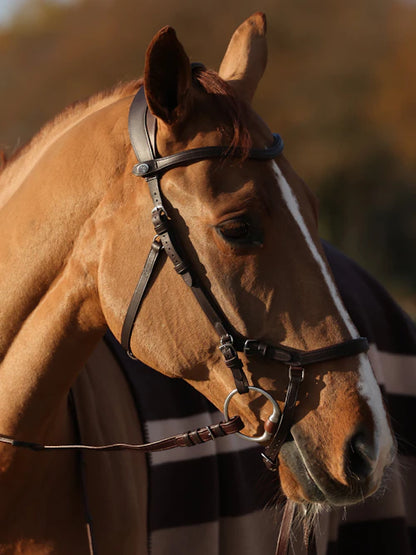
225, 185
238, 180
196, 134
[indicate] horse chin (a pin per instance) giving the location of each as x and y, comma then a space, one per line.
301, 486
297, 484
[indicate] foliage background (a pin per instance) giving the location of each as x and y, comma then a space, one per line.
340, 87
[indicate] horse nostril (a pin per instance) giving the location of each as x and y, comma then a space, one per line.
360, 457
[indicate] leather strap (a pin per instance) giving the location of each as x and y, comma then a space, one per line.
140, 130
271, 451
138, 295
283, 539
187, 439
296, 357
233, 362
152, 167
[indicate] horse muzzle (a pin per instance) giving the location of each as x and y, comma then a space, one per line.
307, 476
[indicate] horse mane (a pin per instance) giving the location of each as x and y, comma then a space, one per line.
78, 110
14, 170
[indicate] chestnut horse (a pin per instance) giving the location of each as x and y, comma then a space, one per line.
75, 233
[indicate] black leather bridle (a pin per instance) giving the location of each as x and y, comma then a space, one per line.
150, 166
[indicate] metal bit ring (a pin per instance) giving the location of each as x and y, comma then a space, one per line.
274, 417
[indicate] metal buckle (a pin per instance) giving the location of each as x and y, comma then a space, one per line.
226, 343
296, 373
251, 347
159, 208
227, 348
160, 219
226, 340
160, 211
130, 354
271, 465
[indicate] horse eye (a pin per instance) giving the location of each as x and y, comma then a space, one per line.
239, 231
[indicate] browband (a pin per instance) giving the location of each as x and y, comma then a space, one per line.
143, 128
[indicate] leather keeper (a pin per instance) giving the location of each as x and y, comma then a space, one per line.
160, 223
270, 426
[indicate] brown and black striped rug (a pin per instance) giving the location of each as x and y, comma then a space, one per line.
218, 498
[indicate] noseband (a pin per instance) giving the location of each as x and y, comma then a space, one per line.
150, 166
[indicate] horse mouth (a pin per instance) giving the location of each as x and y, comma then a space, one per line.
316, 486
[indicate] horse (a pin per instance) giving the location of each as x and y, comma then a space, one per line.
75, 228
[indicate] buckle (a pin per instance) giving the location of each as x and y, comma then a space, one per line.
159, 209
296, 373
227, 347
251, 347
270, 465
160, 220
254, 347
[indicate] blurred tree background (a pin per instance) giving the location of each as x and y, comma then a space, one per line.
340, 87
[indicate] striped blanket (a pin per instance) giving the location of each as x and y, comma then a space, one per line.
218, 498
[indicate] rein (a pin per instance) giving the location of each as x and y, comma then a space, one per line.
187, 439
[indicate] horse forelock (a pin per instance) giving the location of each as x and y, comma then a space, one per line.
229, 105
14, 170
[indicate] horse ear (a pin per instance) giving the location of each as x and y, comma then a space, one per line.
246, 56
167, 77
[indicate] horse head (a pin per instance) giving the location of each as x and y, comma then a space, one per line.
248, 229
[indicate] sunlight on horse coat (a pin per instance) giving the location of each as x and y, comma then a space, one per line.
75, 233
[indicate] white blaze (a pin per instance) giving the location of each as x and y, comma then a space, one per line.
367, 384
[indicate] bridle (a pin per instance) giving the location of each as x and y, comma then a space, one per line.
150, 166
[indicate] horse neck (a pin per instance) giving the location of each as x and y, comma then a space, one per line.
51, 318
